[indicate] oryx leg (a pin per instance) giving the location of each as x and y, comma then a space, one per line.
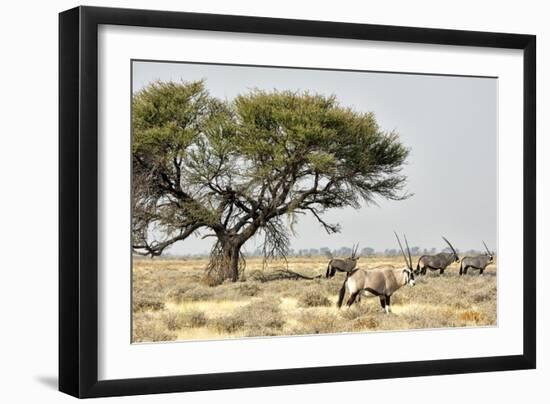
466, 269
383, 302
481, 271
388, 307
441, 271
460, 270
352, 298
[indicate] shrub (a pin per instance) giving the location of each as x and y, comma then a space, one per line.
313, 299
353, 312
247, 289
172, 321
147, 327
178, 320
471, 316
316, 323
263, 313
364, 323
145, 302
178, 294
228, 324
257, 318
195, 318
199, 293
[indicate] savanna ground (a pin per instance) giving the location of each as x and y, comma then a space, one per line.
171, 301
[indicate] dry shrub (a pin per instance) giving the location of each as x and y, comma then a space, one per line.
486, 294
143, 302
318, 323
225, 291
199, 293
236, 291
256, 318
148, 327
333, 285
213, 279
228, 324
172, 321
263, 313
353, 312
364, 323
471, 316
247, 289
313, 299
178, 320
178, 294
481, 297
435, 302
195, 318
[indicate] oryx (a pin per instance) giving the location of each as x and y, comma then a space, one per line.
438, 261
381, 282
343, 265
478, 262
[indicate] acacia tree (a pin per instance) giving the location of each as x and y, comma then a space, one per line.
250, 167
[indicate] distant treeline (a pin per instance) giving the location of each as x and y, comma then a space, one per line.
340, 252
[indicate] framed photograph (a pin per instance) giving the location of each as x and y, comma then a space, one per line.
251, 201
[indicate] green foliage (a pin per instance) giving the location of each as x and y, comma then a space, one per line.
237, 167
307, 136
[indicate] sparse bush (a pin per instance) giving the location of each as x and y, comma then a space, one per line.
168, 300
263, 315
200, 293
228, 324
178, 294
147, 327
144, 302
247, 289
195, 319
178, 320
172, 321
471, 316
480, 297
213, 279
364, 323
353, 312
318, 323
313, 299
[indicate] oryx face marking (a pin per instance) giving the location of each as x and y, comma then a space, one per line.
410, 277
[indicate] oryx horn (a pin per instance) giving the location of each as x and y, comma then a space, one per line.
488, 252
409, 264
354, 250
450, 245
409, 251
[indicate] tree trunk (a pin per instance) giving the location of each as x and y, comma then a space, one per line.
225, 262
231, 252
234, 267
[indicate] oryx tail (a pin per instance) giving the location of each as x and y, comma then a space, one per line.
342, 293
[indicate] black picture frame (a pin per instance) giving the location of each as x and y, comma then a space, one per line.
78, 201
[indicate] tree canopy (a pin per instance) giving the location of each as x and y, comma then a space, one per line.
238, 168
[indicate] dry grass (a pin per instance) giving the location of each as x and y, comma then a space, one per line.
171, 301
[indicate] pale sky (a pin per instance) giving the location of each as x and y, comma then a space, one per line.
448, 123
